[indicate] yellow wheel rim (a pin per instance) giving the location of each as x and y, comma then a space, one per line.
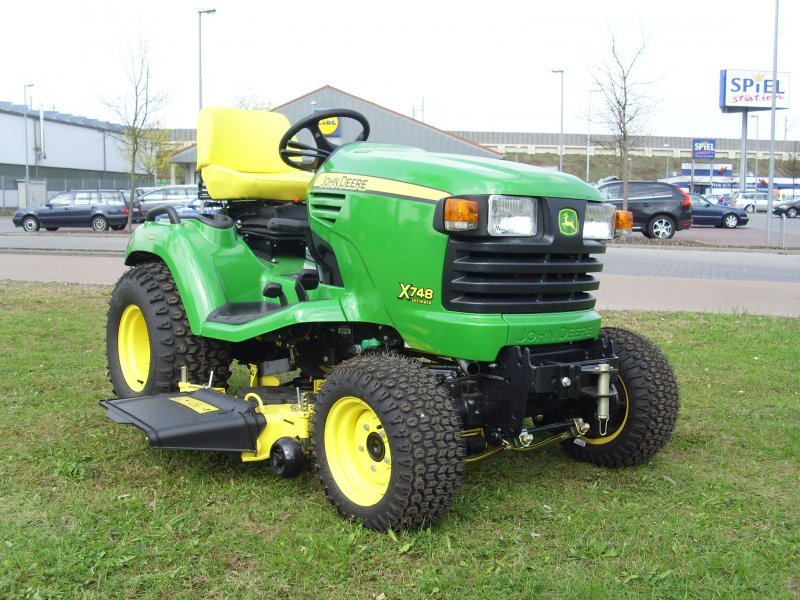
610, 438
133, 346
357, 451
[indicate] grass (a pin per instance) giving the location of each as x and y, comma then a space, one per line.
87, 509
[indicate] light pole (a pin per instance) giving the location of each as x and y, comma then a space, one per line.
200, 13
589, 137
561, 130
25, 125
668, 157
756, 147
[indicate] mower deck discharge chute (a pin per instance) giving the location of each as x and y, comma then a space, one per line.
403, 313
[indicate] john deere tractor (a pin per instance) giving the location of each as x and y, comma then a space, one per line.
402, 313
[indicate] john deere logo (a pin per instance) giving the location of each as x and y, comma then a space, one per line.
568, 222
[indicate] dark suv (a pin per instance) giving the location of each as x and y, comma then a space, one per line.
659, 209
98, 209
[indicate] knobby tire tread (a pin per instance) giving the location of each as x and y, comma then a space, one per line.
175, 346
653, 396
424, 435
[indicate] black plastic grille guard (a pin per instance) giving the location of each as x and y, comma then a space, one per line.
492, 277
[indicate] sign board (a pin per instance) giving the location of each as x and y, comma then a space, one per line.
752, 90
329, 127
704, 148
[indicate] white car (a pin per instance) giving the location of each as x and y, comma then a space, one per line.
750, 201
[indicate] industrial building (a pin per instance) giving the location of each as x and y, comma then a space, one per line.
59, 151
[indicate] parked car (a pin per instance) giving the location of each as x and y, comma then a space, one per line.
98, 209
198, 207
721, 199
171, 195
659, 209
789, 206
750, 201
708, 213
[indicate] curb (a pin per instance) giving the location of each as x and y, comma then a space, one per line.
63, 252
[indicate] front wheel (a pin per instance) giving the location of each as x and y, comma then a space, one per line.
661, 227
730, 221
30, 224
99, 224
387, 445
148, 338
642, 412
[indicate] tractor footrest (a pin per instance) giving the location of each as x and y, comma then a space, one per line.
237, 313
202, 420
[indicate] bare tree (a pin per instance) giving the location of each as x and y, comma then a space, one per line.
626, 106
136, 112
155, 152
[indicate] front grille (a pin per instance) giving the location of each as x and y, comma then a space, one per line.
510, 276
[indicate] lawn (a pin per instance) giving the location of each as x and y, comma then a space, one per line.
87, 509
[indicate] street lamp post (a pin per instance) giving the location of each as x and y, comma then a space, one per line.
561, 130
200, 13
756, 148
669, 155
25, 125
589, 138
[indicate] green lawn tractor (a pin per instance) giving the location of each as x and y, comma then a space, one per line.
402, 313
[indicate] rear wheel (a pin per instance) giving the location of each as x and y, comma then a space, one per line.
51, 228
730, 221
386, 440
642, 412
661, 227
750, 208
148, 338
30, 224
791, 213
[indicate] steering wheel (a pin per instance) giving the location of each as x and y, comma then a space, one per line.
291, 150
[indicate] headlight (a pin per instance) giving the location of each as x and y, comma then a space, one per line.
512, 215
599, 221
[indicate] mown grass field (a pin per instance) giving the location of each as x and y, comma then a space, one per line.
87, 509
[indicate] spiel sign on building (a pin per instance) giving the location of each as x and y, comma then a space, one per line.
752, 90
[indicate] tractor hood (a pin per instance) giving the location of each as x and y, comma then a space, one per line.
452, 174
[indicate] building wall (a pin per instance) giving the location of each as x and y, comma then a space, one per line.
67, 146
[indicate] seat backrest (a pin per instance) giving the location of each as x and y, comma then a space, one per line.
241, 140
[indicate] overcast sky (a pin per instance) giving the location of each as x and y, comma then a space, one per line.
482, 66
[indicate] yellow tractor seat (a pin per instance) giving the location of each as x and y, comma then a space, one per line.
237, 155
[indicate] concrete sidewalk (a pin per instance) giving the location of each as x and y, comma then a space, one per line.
671, 294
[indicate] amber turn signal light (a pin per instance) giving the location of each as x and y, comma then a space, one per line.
460, 214
623, 223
